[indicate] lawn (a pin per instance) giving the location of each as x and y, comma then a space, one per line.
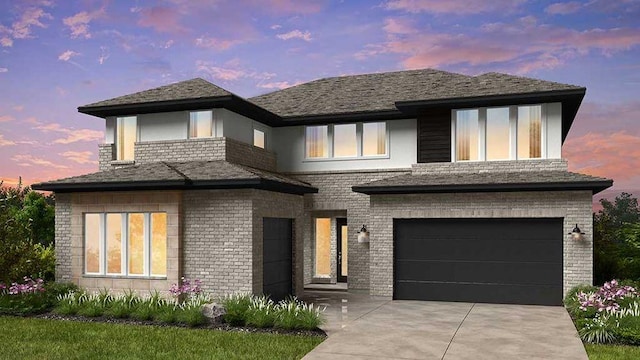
611, 352
29, 338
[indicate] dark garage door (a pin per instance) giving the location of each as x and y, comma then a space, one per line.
513, 261
277, 255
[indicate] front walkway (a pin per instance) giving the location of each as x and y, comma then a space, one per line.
363, 327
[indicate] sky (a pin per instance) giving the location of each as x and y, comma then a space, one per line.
57, 55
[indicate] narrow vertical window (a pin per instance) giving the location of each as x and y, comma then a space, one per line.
127, 134
323, 247
497, 140
201, 124
258, 138
467, 134
92, 253
136, 243
374, 139
529, 132
345, 141
114, 243
317, 141
158, 244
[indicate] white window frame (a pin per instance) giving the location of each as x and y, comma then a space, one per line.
214, 131
359, 144
264, 136
124, 226
513, 133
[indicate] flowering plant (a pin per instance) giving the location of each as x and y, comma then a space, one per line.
606, 298
29, 286
187, 289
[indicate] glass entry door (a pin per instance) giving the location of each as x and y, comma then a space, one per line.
343, 245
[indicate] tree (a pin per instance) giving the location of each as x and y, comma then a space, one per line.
617, 239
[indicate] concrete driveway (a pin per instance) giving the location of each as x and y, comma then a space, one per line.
363, 327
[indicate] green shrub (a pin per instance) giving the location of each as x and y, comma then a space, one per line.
628, 330
236, 307
261, 312
294, 314
91, 309
70, 303
192, 316
572, 304
166, 314
43, 297
143, 312
119, 309
599, 330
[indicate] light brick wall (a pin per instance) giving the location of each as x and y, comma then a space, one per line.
192, 150
573, 206
63, 241
489, 166
143, 201
334, 193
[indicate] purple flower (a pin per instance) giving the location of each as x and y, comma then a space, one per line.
187, 289
606, 298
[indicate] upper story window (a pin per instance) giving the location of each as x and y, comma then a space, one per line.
125, 244
126, 137
201, 124
503, 133
346, 141
258, 138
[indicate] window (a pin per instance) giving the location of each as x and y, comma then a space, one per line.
504, 133
258, 138
374, 139
126, 136
317, 139
323, 247
345, 143
126, 244
201, 124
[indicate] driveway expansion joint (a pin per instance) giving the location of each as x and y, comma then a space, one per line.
456, 332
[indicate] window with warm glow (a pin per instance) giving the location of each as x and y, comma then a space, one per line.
498, 128
317, 141
345, 142
126, 244
323, 247
529, 132
201, 124
374, 139
467, 135
126, 137
258, 138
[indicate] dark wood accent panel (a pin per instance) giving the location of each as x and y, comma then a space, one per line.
434, 136
277, 266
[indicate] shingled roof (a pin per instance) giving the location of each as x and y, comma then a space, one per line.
217, 174
483, 182
381, 91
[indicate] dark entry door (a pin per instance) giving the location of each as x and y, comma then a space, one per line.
343, 246
479, 260
277, 258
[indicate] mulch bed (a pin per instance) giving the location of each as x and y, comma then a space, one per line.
208, 326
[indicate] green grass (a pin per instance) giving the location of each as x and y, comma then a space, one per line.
28, 338
612, 352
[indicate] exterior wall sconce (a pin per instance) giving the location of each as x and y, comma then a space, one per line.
363, 235
576, 234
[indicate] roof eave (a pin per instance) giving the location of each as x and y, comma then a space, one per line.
594, 186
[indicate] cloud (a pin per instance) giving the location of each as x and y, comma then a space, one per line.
278, 85
79, 23
67, 55
6, 118
4, 70
30, 160
104, 55
161, 19
459, 7
295, 34
398, 26
275, 26
282, 7
72, 135
21, 29
563, 8
215, 43
80, 157
5, 142
231, 71
613, 155
6, 41
18, 107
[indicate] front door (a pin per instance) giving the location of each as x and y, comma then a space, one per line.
343, 245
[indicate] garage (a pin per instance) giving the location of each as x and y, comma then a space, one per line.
277, 258
511, 261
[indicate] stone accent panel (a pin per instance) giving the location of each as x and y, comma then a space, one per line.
143, 201
63, 239
573, 206
334, 193
489, 166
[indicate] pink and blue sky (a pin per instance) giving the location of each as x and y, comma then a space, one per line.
56, 55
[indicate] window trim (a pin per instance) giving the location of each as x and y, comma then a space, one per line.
359, 144
214, 131
124, 246
513, 133
264, 137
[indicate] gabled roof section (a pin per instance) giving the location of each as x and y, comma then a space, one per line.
383, 92
188, 175
485, 182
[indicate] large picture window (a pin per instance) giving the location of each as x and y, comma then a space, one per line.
347, 141
126, 137
126, 244
504, 133
201, 124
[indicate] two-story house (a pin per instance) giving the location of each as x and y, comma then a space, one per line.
417, 184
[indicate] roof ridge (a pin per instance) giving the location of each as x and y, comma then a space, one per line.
185, 177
